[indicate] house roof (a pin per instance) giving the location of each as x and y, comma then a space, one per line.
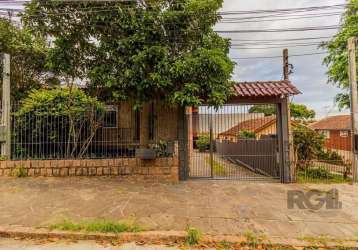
265, 89
253, 125
337, 122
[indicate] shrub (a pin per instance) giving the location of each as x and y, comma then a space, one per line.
245, 134
307, 143
59, 120
203, 142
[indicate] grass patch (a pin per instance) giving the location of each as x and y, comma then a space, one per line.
193, 236
252, 239
320, 175
218, 169
100, 226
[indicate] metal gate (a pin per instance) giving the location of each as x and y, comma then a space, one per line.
235, 142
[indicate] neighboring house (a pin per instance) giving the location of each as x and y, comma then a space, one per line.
337, 131
220, 121
261, 126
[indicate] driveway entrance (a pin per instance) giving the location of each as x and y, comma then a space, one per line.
235, 142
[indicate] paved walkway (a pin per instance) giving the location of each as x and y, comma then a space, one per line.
11, 244
216, 207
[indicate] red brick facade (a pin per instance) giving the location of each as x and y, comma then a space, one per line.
339, 139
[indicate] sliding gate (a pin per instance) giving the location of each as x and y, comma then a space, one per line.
235, 142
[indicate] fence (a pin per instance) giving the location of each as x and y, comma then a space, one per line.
322, 153
85, 132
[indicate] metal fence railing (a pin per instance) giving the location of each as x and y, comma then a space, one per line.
87, 133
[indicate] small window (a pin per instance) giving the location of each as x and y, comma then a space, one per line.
110, 118
343, 133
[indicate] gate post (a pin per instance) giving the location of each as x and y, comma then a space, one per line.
285, 141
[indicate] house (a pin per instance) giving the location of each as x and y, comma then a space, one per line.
261, 126
337, 132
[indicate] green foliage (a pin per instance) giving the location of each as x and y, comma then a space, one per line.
65, 118
20, 171
298, 111
159, 50
307, 143
101, 226
193, 236
28, 55
321, 175
330, 156
337, 59
252, 239
203, 142
245, 134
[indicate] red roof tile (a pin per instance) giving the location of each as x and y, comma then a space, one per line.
337, 122
265, 89
252, 125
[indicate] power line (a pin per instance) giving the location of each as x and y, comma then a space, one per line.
270, 57
280, 30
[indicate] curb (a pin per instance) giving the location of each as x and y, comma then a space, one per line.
157, 237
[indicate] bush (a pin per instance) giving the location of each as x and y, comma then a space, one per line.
307, 143
245, 134
203, 142
59, 121
331, 156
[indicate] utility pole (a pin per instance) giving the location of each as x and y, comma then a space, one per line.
6, 108
352, 71
285, 65
284, 130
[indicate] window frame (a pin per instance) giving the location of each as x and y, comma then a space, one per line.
111, 108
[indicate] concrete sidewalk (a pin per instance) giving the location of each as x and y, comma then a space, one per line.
215, 207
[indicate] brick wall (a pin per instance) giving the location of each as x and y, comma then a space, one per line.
160, 169
336, 141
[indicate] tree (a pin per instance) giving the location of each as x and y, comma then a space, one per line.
337, 59
58, 122
298, 111
138, 50
28, 54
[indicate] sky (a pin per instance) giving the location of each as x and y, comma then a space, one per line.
309, 75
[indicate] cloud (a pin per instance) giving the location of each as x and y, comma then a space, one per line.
309, 73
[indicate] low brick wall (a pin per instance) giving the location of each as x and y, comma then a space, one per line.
161, 169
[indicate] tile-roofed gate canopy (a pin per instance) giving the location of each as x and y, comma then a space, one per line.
265, 89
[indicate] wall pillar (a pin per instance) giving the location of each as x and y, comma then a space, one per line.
285, 141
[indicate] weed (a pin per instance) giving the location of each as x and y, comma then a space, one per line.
102, 226
225, 245
218, 169
19, 171
193, 236
253, 240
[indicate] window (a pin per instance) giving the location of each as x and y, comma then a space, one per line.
110, 118
343, 133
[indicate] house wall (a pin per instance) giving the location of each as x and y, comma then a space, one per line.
335, 141
165, 125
